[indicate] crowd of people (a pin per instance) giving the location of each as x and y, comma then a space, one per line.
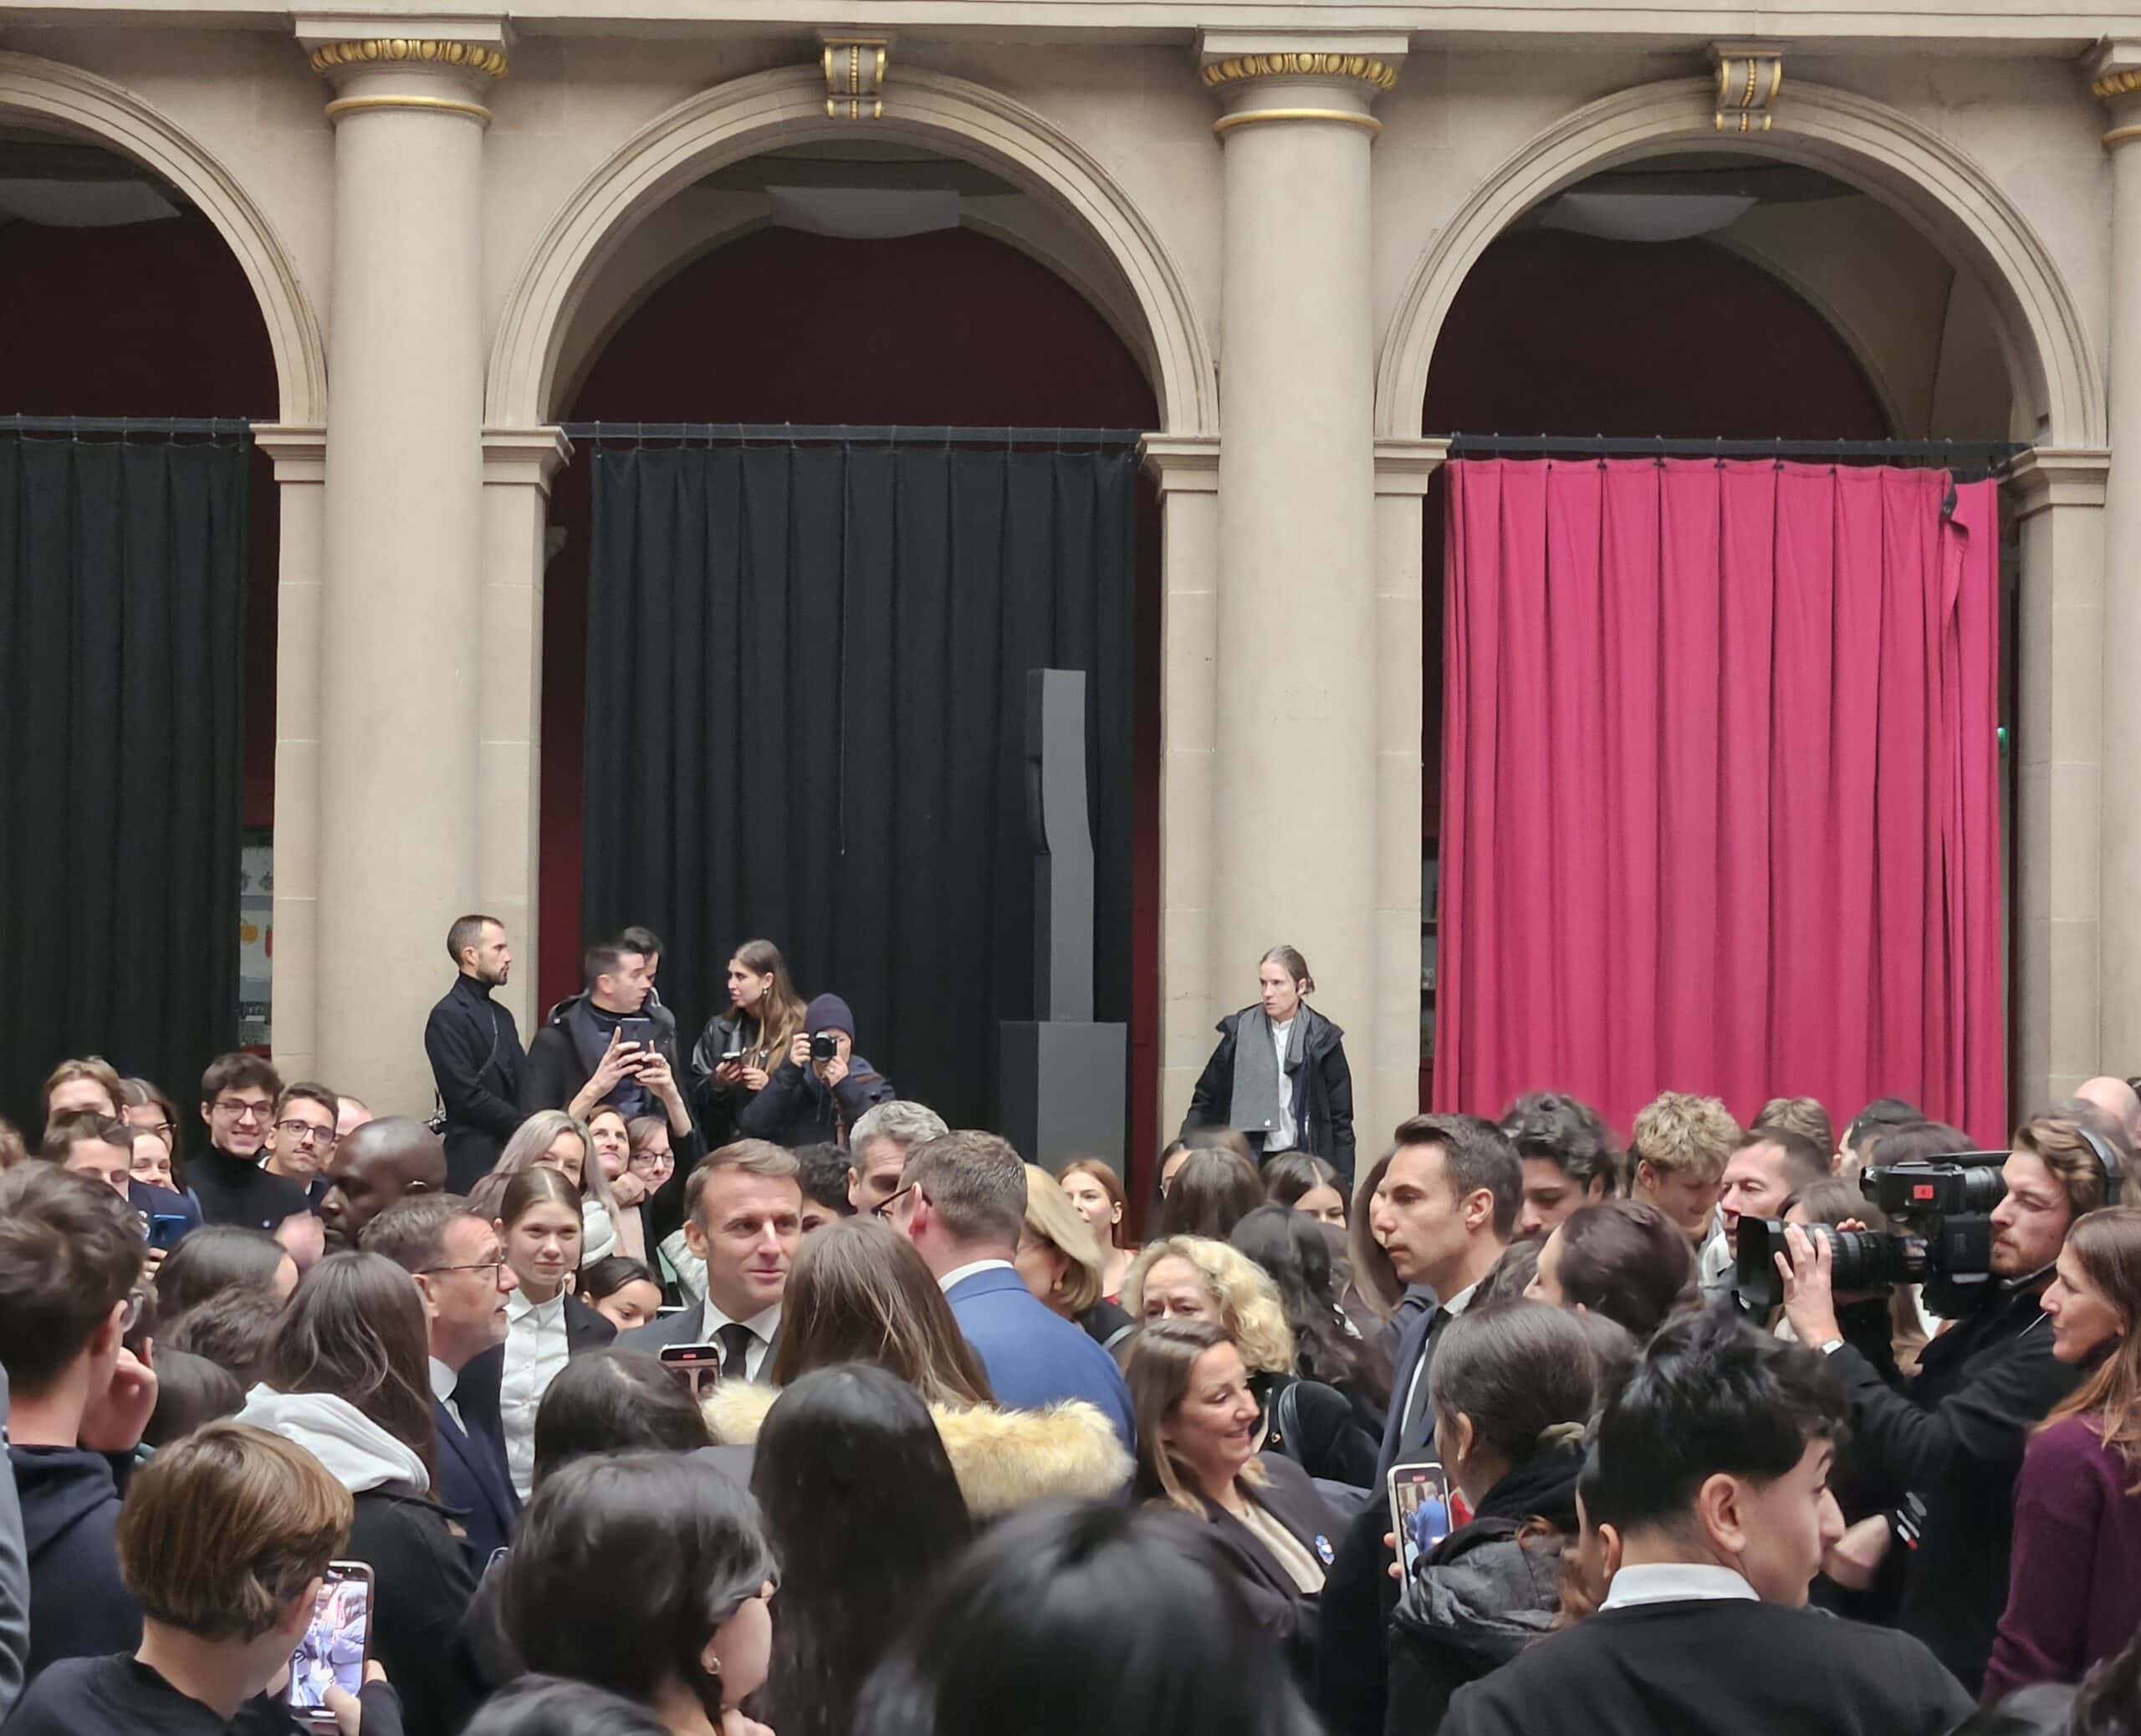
725, 1391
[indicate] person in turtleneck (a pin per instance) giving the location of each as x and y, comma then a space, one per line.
579, 1060
475, 1052
1512, 1386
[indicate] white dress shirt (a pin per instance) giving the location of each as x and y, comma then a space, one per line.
535, 1353
444, 1380
1456, 1305
1676, 1582
1281, 1137
762, 1327
959, 1274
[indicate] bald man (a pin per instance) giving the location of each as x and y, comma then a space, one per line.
2116, 1098
383, 1161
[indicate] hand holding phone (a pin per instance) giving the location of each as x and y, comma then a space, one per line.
336, 1646
1419, 1510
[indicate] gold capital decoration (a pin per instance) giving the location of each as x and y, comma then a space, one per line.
410, 50
1376, 74
1748, 80
2116, 83
855, 77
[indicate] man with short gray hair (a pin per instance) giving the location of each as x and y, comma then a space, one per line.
877, 1147
962, 1202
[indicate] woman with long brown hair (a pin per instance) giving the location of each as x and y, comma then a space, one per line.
738, 1049
2074, 1589
858, 1292
1093, 1186
348, 1378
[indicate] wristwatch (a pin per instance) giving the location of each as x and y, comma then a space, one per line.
1831, 1347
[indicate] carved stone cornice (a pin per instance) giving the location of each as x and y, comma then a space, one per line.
472, 57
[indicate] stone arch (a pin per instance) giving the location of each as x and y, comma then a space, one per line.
787, 105
1866, 143
34, 90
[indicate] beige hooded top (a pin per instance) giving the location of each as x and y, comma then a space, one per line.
1004, 1459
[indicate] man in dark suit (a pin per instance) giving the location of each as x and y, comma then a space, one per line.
475, 1053
100, 1148
744, 1215
962, 1202
1708, 1492
460, 1270
1440, 1210
1442, 1207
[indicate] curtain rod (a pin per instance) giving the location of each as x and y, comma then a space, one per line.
1986, 453
795, 433
124, 425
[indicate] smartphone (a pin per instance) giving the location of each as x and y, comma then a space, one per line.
1419, 1509
729, 1055
698, 1366
166, 1228
637, 1029
824, 1045
336, 1644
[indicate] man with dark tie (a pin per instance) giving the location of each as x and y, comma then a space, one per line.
460, 1271
1441, 1208
744, 1215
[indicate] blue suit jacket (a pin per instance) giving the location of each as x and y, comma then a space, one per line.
1034, 1357
472, 1478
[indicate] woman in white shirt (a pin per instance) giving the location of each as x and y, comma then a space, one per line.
539, 1224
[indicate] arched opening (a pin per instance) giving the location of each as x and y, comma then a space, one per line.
1696, 294
863, 283
125, 301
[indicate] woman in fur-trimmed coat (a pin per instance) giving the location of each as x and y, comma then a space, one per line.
1004, 1460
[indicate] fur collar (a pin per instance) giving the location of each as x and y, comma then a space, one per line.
1004, 1459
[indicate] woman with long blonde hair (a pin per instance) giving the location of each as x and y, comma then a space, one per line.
2074, 1589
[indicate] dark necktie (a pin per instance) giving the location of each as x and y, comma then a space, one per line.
1416, 1399
735, 1345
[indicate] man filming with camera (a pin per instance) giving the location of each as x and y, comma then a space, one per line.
1943, 1448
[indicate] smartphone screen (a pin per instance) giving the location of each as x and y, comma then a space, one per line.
1419, 1509
165, 1230
698, 1366
335, 1644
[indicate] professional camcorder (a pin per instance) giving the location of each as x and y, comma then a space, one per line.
1945, 1206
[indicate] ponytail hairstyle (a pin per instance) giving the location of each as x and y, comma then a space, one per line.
1524, 1373
1294, 965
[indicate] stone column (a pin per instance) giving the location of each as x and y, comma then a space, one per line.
518, 465
300, 460
2057, 500
1403, 469
1294, 790
2115, 75
403, 652
1187, 467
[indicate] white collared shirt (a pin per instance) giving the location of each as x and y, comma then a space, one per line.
444, 1380
1677, 1582
1456, 1305
959, 1274
761, 1326
536, 1348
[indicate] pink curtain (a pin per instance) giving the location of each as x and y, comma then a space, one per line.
1720, 802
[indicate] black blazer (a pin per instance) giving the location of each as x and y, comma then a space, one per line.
425, 1584
1279, 1606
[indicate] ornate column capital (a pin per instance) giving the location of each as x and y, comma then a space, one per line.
1749, 75
443, 64
1264, 76
2113, 70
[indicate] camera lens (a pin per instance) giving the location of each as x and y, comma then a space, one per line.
1870, 1260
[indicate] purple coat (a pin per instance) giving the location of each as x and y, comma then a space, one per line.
2074, 1592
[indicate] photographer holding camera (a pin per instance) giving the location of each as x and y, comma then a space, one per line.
823, 1087
1943, 1449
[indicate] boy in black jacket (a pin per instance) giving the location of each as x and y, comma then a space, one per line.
1712, 1485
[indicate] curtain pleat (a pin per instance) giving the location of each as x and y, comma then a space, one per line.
1721, 787
806, 718
122, 595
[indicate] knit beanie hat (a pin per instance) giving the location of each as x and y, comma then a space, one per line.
829, 1012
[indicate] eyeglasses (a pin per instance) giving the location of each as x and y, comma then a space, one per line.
489, 1266
652, 1160
306, 1132
884, 1208
243, 1111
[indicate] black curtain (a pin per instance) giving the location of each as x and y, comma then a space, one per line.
805, 714
122, 593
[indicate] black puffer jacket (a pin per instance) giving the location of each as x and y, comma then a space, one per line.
1323, 1091
1481, 1595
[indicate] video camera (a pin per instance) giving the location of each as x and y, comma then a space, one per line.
1946, 1204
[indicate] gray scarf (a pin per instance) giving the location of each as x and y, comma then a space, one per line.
1257, 1083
